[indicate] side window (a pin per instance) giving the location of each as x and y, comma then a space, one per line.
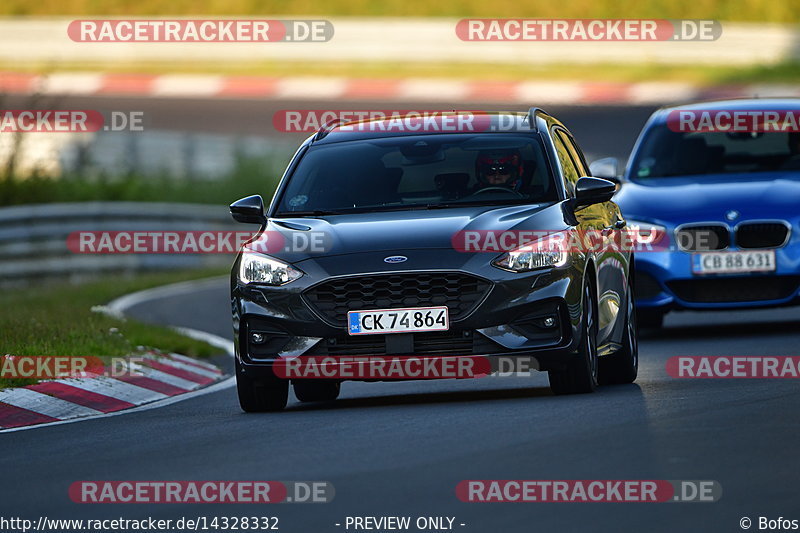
571, 172
577, 155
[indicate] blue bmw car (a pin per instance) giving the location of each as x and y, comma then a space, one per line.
721, 182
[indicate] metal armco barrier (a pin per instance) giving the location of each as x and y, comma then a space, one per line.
33, 238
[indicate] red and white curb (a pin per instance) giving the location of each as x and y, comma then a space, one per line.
161, 379
401, 90
160, 376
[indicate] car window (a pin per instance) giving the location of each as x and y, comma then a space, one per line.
416, 171
577, 155
664, 153
568, 164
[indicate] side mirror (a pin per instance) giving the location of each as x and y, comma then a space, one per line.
589, 191
606, 168
249, 210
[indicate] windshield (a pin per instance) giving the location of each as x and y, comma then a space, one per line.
418, 172
665, 153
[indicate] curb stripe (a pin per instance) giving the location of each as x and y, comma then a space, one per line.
69, 400
45, 405
369, 89
194, 362
177, 372
169, 379
127, 84
93, 400
115, 388
17, 82
188, 368
248, 87
153, 385
493, 90
453, 91
14, 417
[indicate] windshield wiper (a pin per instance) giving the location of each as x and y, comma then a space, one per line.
482, 203
313, 213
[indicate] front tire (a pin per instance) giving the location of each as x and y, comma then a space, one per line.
622, 366
580, 374
311, 390
258, 395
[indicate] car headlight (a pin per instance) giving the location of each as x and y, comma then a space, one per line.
257, 268
549, 251
646, 234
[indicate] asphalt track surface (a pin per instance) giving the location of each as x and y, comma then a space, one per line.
399, 449
600, 130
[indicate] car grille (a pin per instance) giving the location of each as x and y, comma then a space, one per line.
761, 235
461, 293
703, 238
431, 343
731, 290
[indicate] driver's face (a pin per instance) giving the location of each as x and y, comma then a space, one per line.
498, 177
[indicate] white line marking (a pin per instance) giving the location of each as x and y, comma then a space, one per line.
123, 303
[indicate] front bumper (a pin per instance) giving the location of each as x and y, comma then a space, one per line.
665, 282
507, 321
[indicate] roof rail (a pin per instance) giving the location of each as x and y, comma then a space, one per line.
532, 117
327, 128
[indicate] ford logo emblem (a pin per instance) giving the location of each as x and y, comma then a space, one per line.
392, 259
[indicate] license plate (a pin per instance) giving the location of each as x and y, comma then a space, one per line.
381, 321
733, 262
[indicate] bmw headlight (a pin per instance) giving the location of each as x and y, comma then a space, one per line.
257, 268
549, 251
646, 234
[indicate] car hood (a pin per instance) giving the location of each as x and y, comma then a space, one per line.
710, 198
410, 230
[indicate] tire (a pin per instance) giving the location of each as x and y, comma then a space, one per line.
580, 374
313, 390
650, 318
622, 366
258, 395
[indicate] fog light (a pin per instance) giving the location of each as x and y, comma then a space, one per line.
257, 338
549, 322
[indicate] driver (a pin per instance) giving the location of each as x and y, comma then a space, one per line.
499, 168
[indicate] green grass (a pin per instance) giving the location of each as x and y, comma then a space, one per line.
57, 320
741, 10
707, 75
252, 176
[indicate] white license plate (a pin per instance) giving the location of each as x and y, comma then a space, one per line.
733, 262
380, 321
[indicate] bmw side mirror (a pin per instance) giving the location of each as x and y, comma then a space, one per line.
249, 210
589, 191
606, 168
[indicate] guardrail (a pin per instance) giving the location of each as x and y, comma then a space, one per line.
33, 238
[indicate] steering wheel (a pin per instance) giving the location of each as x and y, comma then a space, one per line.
498, 189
